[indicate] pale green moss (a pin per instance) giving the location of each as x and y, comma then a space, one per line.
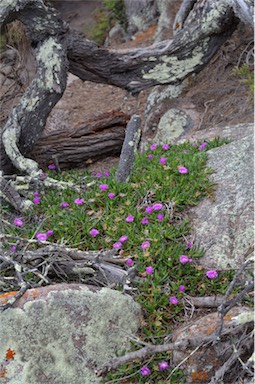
65, 336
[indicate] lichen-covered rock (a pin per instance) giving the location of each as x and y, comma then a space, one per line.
225, 227
60, 334
202, 364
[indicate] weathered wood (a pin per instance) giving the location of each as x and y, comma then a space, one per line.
206, 27
103, 136
129, 148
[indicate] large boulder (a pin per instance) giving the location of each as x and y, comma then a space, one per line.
224, 227
60, 334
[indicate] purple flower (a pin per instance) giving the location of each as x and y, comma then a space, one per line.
189, 244
94, 232
64, 204
111, 195
36, 194
78, 201
103, 187
190, 260
145, 245
202, 146
123, 238
51, 166
149, 270
145, 221
165, 147
163, 365
18, 222
160, 217
173, 300
181, 288
184, 259
153, 147
41, 236
106, 173
145, 371
13, 248
98, 174
163, 160
150, 157
212, 274
117, 245
49, 232
130, 219
37, 200
92, 173
129, 262
149, 210
157, 207
182, 170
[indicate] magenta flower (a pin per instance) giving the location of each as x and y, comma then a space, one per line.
64, 204
41, 236
163, 365
181, 288
145, 245
18, 222
165, 147
103, 187
202, 146
183, 170
98, 174
184, 259
94, 232
145, 371
123, 238
189, 244
111, 195
149, 210
129, 262
13, 248
150, 157
173, 300
145, 221
37, 200
36, 194
149, 270
157, 207
163, 160
49, 232
212, 274
153, 147
117, 245
51, 166
78, 201
106, 173
160, 217
130, 219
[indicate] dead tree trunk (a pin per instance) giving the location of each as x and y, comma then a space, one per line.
200, 33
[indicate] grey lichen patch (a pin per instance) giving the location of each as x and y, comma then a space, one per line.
31, 103
48, 55
159, 95
171, 68
244, 317
171, 125
211, 20
63, 337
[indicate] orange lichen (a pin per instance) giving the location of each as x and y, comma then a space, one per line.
4, 297
3, 373
10, 354
199, 377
